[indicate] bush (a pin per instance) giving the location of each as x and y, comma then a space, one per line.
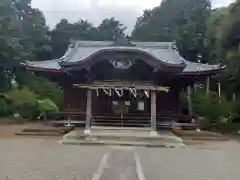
27, 111
225, 124
45, 89
46, 106
4, 107
211, 107
28, 104
23, 101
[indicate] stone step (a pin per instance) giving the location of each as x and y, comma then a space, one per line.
122, 136
103, 128
45, 130
38, 134
202, 135
207, 138
123, 143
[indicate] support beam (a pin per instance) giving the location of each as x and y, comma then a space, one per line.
195, 88
88, 112
189, 99
219, 89
234, 97
153, 113
207, 86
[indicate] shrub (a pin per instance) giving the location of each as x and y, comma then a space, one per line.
211, 107
46, 106
4, 107
225, 124
23, 101
45, 89
28, 104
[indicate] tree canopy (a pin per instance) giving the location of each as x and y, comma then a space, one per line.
23, 36
181, 21
224, 33
109, 29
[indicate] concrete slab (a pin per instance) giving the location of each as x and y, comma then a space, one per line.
127, 137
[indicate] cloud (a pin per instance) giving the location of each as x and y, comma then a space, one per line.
95, 11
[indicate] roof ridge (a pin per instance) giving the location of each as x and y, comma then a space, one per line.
148, 44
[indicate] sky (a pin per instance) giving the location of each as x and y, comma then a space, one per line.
95, 11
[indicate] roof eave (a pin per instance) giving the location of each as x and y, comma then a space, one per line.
44, 69
206, 72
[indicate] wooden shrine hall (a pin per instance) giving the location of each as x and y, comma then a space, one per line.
123, 83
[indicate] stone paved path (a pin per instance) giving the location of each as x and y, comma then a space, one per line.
119, 165
38, 159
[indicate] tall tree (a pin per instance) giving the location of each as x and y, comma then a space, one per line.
182, 21
110, 29
214, 34
61, 36
36, 33
20, 30
230, 42
224, 42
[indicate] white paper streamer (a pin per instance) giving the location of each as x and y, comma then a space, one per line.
119, 92
134, 92
146, 92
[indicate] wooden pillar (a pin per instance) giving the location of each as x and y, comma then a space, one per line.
189, 99
88, 112
153, 111
234, 97
219, 89
195, 88
207, 86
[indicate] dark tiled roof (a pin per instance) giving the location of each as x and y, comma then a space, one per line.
161, 51
165, 52
50, 64
192, 67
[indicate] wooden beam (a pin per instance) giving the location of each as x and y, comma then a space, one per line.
138, 87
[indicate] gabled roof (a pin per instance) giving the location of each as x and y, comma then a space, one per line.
163, 54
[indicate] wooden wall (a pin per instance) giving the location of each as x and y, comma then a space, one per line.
75, 100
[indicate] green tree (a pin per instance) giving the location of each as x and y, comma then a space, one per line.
60, 36
214, 34
110, 29
182, 21
224, 42
22, 37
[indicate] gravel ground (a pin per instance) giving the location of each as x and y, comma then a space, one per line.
38, 159
219, 161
